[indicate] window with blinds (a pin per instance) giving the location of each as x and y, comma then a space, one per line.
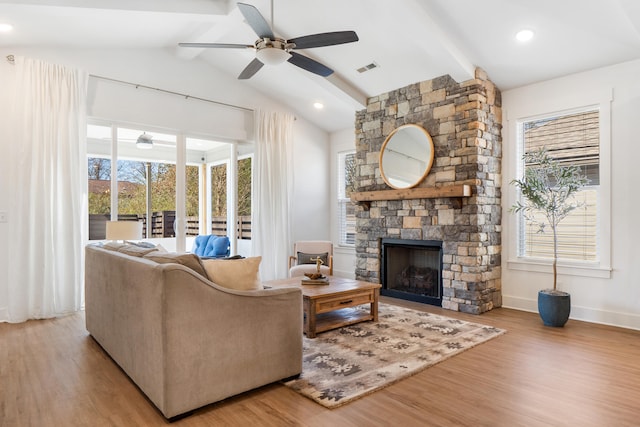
346, 208
571, 139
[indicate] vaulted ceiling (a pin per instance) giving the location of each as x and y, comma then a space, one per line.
408, 40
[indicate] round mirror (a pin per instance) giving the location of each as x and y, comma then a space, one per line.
406, 156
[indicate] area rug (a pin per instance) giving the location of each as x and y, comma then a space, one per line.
345, 364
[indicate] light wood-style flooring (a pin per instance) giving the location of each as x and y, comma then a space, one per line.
52, 373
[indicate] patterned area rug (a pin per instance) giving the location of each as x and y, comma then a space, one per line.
347, 363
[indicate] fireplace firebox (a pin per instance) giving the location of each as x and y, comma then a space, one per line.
412, 270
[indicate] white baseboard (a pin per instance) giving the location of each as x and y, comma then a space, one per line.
585, 314
520, 303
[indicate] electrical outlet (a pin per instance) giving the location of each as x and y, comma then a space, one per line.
3, 216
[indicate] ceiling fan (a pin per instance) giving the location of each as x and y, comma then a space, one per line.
274, 50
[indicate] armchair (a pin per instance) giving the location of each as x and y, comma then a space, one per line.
305, 253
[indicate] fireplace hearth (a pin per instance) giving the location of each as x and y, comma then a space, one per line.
412, 270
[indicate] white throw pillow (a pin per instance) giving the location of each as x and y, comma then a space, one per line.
239, 274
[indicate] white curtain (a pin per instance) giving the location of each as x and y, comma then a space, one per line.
272, 186
49, 201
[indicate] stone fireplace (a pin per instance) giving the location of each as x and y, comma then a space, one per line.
464, 121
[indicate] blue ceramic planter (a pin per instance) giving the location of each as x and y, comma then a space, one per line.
554, 307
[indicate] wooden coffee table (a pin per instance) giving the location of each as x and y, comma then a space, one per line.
330, 306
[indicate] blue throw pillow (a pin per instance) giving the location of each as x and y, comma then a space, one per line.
217, 246
200, 244
223, 246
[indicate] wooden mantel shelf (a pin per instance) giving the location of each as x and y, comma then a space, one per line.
451, 191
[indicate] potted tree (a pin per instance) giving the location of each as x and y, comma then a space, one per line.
548, 188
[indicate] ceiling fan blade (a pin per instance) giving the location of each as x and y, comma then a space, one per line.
256, 21
253, 67
309, 64
217, 45
324, 39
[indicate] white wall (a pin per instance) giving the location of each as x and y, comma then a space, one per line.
161, 69
344, 258
311, 184
597, 295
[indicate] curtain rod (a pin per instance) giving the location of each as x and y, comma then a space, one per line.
11, 59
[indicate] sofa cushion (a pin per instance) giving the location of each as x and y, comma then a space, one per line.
239, 274
304, 258
188, 260
161, 248
136, 250
141, 244
113, 246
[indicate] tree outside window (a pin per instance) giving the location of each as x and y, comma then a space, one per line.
99, 171
219, 194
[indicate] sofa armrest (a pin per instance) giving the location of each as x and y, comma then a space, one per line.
220, 342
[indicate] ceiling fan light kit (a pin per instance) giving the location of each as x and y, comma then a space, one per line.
272, 50
144, 142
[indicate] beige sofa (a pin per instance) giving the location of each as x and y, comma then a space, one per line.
185, 341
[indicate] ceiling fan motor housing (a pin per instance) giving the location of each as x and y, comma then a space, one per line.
273, 52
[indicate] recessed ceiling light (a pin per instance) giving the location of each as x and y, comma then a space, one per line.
524, 35
5, 28
318, 105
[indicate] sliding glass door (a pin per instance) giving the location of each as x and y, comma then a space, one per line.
132, 177
177, 186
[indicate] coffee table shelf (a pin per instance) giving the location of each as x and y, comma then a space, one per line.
339, 318
331, 306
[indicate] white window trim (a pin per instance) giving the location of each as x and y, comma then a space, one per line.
561, 105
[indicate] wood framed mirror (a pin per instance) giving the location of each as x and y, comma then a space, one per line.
406, 156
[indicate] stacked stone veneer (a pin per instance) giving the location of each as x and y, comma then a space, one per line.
464, 121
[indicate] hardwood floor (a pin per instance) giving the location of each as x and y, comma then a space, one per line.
52, 373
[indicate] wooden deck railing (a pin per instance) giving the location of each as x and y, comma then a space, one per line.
219, 226
162, 225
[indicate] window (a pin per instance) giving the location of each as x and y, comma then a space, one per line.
571, 138
219, 190
99, 174
219, 198
146, 181
99, 171
193, 198
244, 198
346, 208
